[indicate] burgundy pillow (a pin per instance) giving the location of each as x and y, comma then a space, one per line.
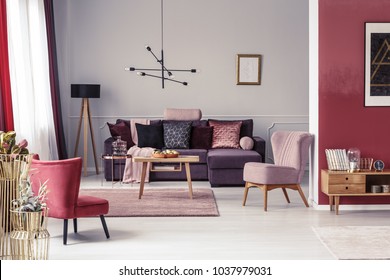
201, 137
122, 130
226, 134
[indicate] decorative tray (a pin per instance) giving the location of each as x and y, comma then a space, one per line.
165, 155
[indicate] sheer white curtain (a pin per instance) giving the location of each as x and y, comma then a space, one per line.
30, 82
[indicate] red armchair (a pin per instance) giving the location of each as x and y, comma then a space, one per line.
63, 199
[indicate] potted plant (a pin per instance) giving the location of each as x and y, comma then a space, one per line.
29, 205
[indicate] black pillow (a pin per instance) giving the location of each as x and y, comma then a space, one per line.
150, 136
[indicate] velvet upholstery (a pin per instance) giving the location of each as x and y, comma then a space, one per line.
291, 152
63, 184
231, 158
182, 114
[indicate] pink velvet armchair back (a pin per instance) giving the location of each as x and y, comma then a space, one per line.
291, 148
63, 184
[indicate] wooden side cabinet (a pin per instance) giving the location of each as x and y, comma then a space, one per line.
341, 183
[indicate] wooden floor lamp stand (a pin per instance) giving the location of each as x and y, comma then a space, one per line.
85, 115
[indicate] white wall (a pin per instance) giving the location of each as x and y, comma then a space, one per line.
98, 38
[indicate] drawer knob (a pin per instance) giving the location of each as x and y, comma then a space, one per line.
346, 188
346, 178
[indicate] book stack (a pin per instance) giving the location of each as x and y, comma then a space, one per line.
337, 159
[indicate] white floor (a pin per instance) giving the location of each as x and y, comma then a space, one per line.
282, 233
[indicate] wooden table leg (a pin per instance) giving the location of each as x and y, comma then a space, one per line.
188, 173
337, 202
331, 201
142, 183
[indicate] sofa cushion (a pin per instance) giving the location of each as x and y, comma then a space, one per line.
122, 130
200, 123
150, 135
246, 127
182, 114
201, 137
266, 173
201, 153
231, 158
225, 134
177, 134
127, 122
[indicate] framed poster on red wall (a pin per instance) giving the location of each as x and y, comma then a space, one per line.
377, 64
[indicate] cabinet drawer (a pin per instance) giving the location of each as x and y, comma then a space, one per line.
347, 188
347, 179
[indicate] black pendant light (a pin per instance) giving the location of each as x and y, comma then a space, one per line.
166, 74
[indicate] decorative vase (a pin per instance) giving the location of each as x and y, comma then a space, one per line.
29, 237
119, 147
354, 159
13, 169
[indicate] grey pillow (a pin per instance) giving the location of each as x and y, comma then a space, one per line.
177, 134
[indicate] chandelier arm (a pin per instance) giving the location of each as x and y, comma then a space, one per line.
168, 79
144, 69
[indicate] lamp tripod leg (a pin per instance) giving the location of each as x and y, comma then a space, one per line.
93, 140
78, 130
85, 114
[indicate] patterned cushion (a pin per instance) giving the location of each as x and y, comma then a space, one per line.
177, 134
246, 126
150, 136
226, 134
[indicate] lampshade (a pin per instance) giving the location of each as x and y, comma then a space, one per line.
85, 91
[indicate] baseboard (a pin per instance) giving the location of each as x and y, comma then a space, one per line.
356, 207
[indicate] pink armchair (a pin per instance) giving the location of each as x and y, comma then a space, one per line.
63, 199
291, 152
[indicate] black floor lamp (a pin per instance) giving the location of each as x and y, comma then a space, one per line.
85, 91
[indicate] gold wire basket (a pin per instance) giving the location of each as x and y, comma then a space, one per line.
29, 237
13, 169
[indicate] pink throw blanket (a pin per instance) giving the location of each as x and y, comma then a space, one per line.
132, 173
133, 170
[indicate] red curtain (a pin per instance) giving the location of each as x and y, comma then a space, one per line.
54, 81
5, 83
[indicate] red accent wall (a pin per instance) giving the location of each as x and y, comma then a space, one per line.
344, 122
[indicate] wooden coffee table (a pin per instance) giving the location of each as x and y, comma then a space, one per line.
180, 159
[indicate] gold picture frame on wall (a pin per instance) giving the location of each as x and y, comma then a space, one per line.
248, 69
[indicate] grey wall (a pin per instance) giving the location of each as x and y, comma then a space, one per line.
98, 38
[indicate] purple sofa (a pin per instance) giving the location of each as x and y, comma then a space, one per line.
221, 167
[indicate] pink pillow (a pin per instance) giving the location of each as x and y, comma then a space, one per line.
246, 143
226, 134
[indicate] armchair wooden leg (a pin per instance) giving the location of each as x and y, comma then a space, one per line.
65, 231
105, 226
302, 195
265, 189
286, 195
75, 225
245, 193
